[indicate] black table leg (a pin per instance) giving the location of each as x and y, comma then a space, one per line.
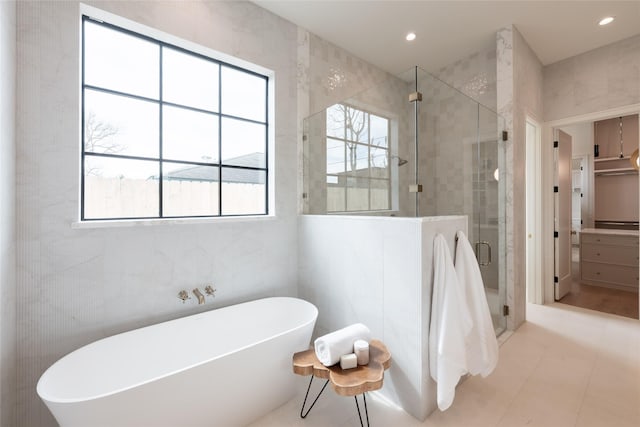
366, 412
304, 414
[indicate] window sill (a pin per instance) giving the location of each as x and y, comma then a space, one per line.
168, 221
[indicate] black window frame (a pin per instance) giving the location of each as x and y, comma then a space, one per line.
160, 159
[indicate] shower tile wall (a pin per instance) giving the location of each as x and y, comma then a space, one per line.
474, 75
449, 119
335, 74
332, 75
78, 285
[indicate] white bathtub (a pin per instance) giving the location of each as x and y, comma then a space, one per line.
225, 367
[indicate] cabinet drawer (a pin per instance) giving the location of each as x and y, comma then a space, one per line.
620, 275
621, 255
609, 239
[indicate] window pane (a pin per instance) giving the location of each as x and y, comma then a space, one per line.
357, 194
357, 125
358, 158
379, 162
335, 156
335, 121
244, 95
117, 124
243, 143
118, 61
189, 135
380, 194
379, 131
243, 191
189, 190
120, 188
335, 199
189, 80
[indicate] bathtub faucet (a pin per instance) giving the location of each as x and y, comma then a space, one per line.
198, 294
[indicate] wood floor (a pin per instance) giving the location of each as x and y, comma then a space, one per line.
606, 300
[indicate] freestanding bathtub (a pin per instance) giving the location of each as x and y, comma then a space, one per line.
226, 367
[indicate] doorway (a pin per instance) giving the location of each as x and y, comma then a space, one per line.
592, 175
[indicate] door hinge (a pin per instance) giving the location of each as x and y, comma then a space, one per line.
555, 144
505, 135
581, 222
555, 279
555, 234
555, 188
581, 168
505, 310
581, 195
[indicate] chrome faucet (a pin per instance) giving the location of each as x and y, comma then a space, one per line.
198, 294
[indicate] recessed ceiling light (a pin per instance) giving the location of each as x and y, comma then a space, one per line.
411, 37
606, 20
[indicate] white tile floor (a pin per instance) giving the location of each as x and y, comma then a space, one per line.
565, 366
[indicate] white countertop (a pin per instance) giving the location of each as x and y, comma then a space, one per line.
609, 231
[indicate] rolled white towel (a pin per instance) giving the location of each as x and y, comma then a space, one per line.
330, 347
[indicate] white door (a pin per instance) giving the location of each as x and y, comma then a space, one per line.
562, 223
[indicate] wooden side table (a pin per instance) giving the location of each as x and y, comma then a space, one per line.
348, 382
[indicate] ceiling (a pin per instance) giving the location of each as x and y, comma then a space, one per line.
450, 30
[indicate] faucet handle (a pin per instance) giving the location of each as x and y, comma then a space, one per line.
183, 295
210, 290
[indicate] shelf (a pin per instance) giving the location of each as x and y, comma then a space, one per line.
617, 171
608, 159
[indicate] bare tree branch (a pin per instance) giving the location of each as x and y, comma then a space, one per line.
97, 136
98, 139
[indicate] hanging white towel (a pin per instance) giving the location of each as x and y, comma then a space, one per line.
450, 322
481, 343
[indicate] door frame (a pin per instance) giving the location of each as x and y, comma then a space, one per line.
547, 187
534, 282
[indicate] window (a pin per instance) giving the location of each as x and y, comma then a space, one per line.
168, 133
358, 173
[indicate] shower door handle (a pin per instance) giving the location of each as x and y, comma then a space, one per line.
478, 245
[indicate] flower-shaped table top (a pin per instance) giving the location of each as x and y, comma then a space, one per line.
347, 382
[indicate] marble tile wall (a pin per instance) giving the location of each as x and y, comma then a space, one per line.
519, 95
505, 100
598, 80
378, 271
7, 213
528, 90
76, 285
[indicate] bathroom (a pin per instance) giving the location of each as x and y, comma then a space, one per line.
66, 283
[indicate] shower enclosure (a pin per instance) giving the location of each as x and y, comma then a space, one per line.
412, 146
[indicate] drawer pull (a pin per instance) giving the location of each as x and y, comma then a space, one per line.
597, 273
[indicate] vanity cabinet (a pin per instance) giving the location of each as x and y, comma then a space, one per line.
609, 258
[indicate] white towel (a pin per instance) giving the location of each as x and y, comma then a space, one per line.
450, 322
330, 347
481, 342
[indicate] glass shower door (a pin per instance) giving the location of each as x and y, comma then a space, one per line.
489, 211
